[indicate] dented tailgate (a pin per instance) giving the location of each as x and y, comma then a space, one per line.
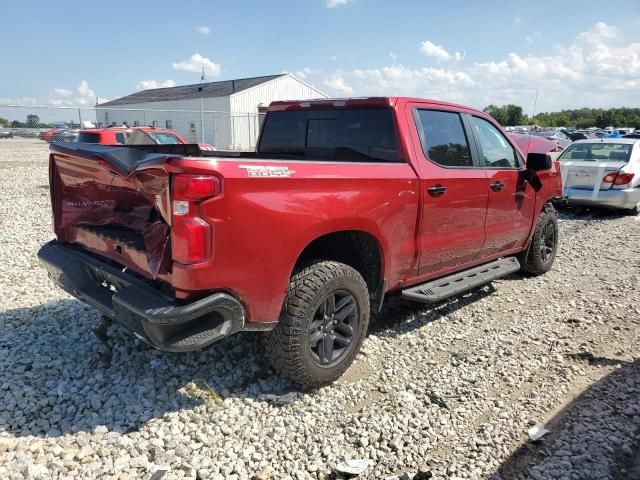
115, 202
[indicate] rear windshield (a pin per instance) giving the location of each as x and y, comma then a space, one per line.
598, 152
86, 137
345, 135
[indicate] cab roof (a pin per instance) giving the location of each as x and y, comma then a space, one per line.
366, 102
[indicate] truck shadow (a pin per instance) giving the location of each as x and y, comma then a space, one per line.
399, 316
51, 385
595, 425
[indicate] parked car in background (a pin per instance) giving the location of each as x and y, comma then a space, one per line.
135, 136
534, 143
603, 173
343, 202
105, 136
561, 139
67, 135
4, 133
49, 135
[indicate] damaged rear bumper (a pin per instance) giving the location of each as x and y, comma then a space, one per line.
140, 306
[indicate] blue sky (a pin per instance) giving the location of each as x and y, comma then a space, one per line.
497, 52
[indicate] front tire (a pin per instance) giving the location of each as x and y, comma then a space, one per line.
323, 323
540, 255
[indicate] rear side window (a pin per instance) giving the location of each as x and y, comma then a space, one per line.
443, 138
344, 135
88, 137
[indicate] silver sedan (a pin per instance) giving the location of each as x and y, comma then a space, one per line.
603, 172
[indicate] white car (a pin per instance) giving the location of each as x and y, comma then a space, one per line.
603, 172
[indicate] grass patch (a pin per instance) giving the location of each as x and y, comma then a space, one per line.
198, 388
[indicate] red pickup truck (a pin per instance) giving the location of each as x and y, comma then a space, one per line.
343, 203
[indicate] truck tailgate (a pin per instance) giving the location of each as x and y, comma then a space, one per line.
115, 202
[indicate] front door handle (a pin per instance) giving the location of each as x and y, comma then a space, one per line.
437, 190
497, 186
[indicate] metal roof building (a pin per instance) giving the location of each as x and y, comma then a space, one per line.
225, 114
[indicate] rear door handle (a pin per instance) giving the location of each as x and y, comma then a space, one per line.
497, 186
437, 190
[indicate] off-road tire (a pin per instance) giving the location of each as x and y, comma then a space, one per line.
533, 260
288, 345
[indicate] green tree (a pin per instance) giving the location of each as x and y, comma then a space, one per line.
4, 122
498, 113
513, 114
33, 120
506, 115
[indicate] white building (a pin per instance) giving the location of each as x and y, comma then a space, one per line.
225, 114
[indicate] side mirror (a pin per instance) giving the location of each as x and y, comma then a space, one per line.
539, 161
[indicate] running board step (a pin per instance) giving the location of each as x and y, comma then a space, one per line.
445, 287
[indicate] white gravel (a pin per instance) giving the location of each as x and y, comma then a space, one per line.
450, 390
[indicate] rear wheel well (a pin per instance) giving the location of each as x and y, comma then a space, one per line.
360, 250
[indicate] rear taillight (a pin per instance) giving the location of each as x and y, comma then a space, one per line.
190, 234
618, 178
623, 178
195, 187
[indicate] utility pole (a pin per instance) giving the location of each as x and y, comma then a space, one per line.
202, 80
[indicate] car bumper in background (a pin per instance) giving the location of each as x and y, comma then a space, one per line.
134, 303
613, 198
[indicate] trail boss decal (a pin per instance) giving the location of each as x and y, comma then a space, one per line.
267, 171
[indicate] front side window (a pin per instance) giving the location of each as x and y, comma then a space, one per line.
496, 150
349, 135
443, 138
120, 138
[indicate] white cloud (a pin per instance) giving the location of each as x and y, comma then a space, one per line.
532, 38
596, 69
202, 29
438, 52
149, 84
84, 96
337, 3
599, 33
26, 101
61, 92
304, 72
336, 82
195, 64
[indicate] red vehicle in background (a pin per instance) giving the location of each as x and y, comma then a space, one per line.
50, 135
534, 143
134, 136
344, 202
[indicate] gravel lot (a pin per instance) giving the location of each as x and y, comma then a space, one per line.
450, 390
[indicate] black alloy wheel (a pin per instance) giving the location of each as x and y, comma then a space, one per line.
331, 330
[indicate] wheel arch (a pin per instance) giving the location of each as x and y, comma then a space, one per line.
357, 248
